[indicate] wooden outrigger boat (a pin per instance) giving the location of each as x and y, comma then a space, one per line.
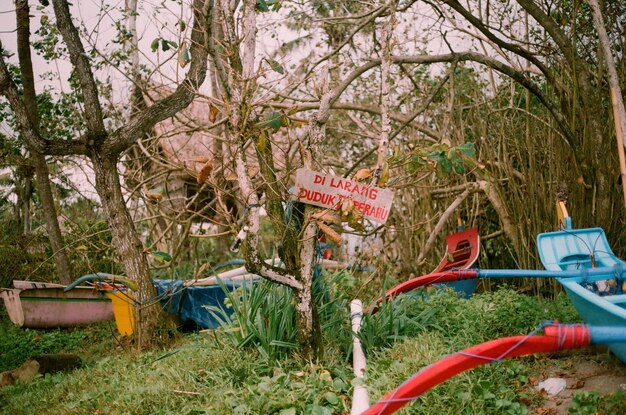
462, 251
599, 300
582, 262
46, 305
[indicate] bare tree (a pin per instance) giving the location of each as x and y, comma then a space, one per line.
38, 159
104, 147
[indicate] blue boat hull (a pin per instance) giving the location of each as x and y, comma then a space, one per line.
584, 250
464, 288
599, 311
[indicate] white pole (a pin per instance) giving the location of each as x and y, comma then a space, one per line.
360, 400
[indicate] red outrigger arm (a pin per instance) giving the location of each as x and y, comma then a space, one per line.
555, 338
462, 250
424, 280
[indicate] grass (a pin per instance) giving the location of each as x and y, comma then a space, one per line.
17, 345
208, 373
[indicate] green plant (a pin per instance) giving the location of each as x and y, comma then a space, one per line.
262, 315
591, 403
259, 314
18, 345
395, 319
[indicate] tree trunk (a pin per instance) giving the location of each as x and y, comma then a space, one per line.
39, 160
128, 248
64, 267
309, 330
619, 113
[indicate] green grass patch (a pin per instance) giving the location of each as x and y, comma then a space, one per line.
209, 373
18, 345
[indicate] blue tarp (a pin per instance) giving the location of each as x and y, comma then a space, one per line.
188, 302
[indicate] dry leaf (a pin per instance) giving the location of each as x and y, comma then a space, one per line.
201, 270
327, 216
330, 233
578, 384
347, 206
261, 142
204, 172
153, 197
355, 220
232, 176
362, 174
325, 375
184, 57
384, 175
200, 159
213, 111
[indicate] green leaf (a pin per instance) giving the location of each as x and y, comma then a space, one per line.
338, 384
155, 44
261, 5
467, 149
161, 257
456, 161
436, 155
288, 411
331, 398
277, 5
184, 56
321, 410
275, 66
182, 25
459, 167
167, 45
44, 3
444, 165
274, 120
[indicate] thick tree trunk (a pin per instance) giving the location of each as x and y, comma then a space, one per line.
129, 249
309, 330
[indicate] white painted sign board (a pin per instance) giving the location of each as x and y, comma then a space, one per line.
328, 191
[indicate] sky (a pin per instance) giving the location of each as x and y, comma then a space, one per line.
161, 19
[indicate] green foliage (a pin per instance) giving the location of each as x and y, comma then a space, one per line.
501, 387
18, 345
89, 239
47, 43
262, 316
495, 314
276, 67
23, 258
443, 159
165, 44
402, 316
591, 403
206, 375
264, 5
202, 375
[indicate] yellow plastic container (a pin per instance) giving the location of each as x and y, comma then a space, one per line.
123, 311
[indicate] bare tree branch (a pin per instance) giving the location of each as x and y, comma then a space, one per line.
80, 61
167, 107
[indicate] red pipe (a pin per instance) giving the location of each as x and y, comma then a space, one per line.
434, 278
555, 338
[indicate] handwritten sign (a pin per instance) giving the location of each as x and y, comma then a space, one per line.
328, 191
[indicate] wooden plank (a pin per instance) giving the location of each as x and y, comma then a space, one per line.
327, 191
